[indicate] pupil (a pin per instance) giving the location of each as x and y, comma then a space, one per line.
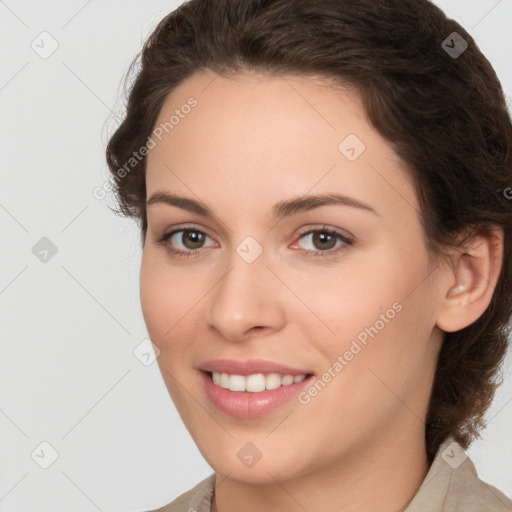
323, 237
194, 237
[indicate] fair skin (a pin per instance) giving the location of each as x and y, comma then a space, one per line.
251, 142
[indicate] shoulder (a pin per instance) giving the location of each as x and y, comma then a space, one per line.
197, 499
452, 485
468, 492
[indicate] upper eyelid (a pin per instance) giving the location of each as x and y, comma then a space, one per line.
302, 232
173, 231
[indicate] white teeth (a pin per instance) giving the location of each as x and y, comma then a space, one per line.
273, 381
254, 383
224, 380
287, 380
236, 383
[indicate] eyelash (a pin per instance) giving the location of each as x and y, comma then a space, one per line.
193, 253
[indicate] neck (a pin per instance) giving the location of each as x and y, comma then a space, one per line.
382, 475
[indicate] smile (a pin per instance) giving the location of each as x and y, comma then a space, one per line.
245, 397
254, 383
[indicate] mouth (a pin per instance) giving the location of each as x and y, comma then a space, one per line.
252, 395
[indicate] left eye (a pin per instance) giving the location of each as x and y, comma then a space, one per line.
324, 240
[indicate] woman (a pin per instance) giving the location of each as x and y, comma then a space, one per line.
327, 243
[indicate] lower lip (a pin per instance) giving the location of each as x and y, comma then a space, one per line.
251, 405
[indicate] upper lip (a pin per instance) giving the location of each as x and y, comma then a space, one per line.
249, 367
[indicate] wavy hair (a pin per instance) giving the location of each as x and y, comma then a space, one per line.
445, 116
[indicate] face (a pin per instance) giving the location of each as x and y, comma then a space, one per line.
257, 280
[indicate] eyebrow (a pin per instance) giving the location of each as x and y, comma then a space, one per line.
282, 209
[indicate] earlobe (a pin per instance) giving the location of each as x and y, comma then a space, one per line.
471, 282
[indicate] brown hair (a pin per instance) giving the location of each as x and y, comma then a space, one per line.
444, 115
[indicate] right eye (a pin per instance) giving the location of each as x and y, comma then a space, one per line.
190, 238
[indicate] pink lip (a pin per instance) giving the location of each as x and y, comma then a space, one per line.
250, 405
249, 367
246, 404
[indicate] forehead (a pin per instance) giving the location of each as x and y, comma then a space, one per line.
249, 109
271, 136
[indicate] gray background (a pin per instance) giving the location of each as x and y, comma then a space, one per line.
69, 326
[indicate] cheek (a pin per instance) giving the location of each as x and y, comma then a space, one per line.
165, 304
153, 301
375, 312
163, 297
386, 346
343, 299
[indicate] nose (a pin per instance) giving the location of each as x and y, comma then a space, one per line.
248, 299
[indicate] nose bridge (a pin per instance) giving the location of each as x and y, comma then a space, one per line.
241, 299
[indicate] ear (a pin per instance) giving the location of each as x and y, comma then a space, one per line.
468, 285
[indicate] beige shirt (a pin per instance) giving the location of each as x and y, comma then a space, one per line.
451, 485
